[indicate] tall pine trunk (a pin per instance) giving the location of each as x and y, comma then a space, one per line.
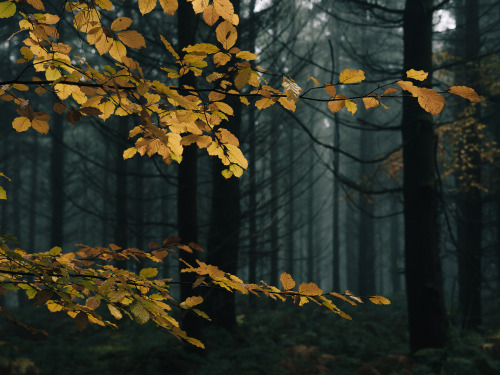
428, 323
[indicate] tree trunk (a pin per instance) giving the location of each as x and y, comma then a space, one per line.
428, 323
57, 157
469, 221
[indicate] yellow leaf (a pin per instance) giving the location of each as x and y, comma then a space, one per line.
202, 47
132, 39
148, 272
287, 104
104, 4
226, 108
310, 289
351, 76
370, 102
236, 169
314, 80
169, 47
199, 5
115, 312
191, 302
465, 92
129, 152
418, 75
21, 124
225, 9
226, 34
7, 9
330, 89
431, 101
236, 156
140, 313
52, 74
210, 15
121, 23
56, 250
146, 6
3, 193
169, 6
264, 103
351, 106
292, 90
336, 105
227, 173
242, 78
246, 55
410, 87
287, 281
117, 50
379, 300
53, 306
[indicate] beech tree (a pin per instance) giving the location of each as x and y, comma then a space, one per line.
171, 116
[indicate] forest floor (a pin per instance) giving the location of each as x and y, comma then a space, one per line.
269, 340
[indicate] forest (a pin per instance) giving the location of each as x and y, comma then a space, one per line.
250, 186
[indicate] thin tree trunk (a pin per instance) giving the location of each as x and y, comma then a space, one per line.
57, 181
428, 324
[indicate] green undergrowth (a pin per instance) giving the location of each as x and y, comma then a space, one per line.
269, 339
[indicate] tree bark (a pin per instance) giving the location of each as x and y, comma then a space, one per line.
428, 325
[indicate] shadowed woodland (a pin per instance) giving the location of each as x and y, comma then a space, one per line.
374, 190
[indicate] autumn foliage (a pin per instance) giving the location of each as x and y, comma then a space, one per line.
169, 117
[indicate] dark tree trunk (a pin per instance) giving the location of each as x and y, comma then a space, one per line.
395, 251
57, 157
469, 221
274, 214
187, 175
366, 245
310, 216
290, 250
120, 237
428, 325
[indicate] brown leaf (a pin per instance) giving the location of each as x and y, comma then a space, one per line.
81, 321
42, 296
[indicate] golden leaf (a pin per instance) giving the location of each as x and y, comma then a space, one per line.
287, 281
226, 34
314, 80
226, 173
246, 55
418, 75
351, 106
21, 124
129, 152
169, 47
191, 302
3, 193
465, 92
226, 108
379, 300
287, 104
370, 102
210, 15
390, 90
104, 4
410, 87
431, 101
146, 6
115, 312
221, 58
121, 23
148, 272
310, 289
169, 6
351, 76
7, 9
336, 105
40, 126
132, 39
225, 9
236, 169
199, 5
236, 156
264, 103
117, 50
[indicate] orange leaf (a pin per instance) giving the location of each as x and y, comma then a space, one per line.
336, 105
169, 6
287, 281
132, 39
390, 90
370, 102
330, 89
210, 15
431, 101
465, 92
21, 124
310, 289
